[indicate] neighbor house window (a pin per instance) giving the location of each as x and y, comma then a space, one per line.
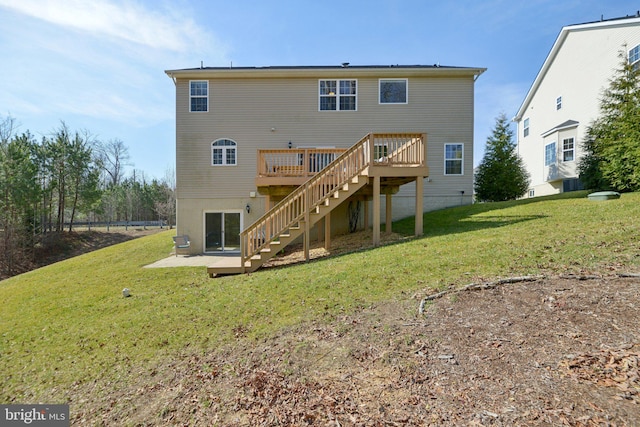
526, 127
568, 150
559, 103
550, 154
199, 95
393, 91
453, 154
223, 153
338, 95
634, 57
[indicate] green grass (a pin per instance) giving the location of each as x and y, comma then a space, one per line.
67, 324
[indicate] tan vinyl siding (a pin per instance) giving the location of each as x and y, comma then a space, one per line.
246, 110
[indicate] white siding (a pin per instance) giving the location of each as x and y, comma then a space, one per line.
579, 72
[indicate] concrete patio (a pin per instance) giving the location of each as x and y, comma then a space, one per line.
202, 260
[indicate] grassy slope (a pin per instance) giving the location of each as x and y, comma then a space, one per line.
68, 324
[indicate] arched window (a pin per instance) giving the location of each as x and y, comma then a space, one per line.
223, 153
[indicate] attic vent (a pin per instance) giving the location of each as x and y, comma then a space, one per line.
345, 64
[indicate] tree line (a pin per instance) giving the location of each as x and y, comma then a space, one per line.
48, 184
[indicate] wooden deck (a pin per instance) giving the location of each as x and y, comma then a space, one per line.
315, 181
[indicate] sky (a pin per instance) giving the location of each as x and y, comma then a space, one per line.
98, 65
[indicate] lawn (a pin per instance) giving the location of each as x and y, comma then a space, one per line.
67, 325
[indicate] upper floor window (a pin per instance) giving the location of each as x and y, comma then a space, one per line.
338, 95
453, 154
393, 91
558, 103
526, 127
634, 57
550, 154
223, 153
568, 150
199, 95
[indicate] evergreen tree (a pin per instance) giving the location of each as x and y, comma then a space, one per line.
501, 174
613, 140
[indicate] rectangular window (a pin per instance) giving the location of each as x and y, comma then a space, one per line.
568, 152
526, 127
453, 154
338, 95
393, 91
199, 96
634, 57
559, 103
550, 154
532, 193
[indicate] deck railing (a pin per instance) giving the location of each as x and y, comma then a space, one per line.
373, 149
295, 161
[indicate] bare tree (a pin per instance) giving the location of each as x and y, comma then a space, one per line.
7, 128
114, 157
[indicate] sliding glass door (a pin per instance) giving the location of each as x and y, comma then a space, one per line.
222, 231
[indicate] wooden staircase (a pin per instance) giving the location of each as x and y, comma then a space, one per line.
375, 155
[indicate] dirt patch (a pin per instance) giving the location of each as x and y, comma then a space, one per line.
346, 243
554, 351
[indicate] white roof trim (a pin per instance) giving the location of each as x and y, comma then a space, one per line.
556, 48
573, 124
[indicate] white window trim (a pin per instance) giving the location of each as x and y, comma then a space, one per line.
204, 227
525, 127
556, 154
559, 103
337, 95
200, 96
573, 149
406, 91
634, 62
461, 160
224, 153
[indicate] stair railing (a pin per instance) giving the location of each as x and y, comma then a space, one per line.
377, 149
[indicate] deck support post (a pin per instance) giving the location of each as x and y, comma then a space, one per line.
388, 213
366, 214
327, 231
419, 205
376, 210
306, 223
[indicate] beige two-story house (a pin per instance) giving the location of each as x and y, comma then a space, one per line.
564, 99
268, 154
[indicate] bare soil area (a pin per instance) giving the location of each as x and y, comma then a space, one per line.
550, 352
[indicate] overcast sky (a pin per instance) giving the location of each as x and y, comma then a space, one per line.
98, 65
